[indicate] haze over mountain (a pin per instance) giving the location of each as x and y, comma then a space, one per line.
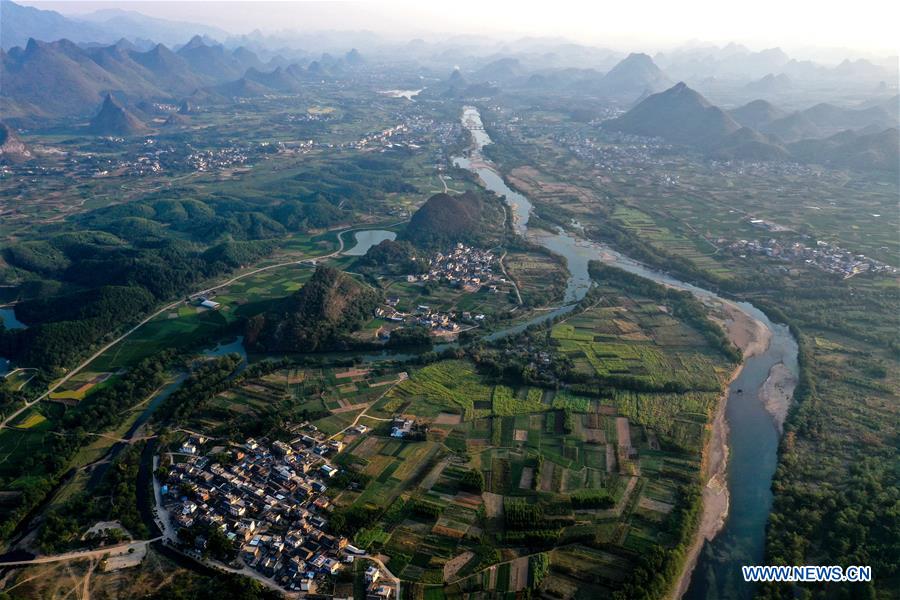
633, 76
682, 116
757, 113
19, 23
61, 79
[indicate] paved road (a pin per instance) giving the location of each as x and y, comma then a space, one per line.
53, 387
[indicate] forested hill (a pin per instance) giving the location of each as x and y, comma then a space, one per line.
471, 217
318, 316
106, 267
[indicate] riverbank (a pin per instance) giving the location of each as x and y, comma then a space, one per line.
777, 392
753, 338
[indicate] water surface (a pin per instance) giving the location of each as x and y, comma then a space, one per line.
367, 238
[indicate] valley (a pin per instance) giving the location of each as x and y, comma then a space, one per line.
337, 315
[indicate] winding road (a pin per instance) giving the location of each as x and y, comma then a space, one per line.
54, 386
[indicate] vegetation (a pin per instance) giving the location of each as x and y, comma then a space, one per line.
319, 316
445, 219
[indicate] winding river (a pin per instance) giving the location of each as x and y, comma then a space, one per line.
753, 433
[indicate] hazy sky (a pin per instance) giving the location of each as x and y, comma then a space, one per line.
864, 25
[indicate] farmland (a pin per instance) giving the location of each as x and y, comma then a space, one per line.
508, 468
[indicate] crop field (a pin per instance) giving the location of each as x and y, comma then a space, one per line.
640, 341
598, 468
30, 433
537, 275
643, 225
447, 386
76, 388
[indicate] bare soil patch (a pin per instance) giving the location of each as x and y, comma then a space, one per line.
446, 418
527, 478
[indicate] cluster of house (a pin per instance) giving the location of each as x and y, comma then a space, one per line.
439, 322
380, 137
463, 266
615, 152
825, 256
268, 499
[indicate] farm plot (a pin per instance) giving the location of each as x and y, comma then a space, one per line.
447, 386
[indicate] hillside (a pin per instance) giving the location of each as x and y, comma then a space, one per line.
877, 151
115, 119
749, 144
62, 79
331, 305
446, 219
679, 115
756, 114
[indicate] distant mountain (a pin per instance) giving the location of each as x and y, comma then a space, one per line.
860, 70
680, 115
756, 114
319, 316
50, 79
729, 62
213, 61
683, 116
278, 79
633, 76
12, 149
818, 121
501, 70
19, 23
770, 84
457, 86
354, 58
748, 144
832, 118
878, 151
445, 219
170, 71
135, 25
115, 119
795, 126
61, 79
240, 88
890, 104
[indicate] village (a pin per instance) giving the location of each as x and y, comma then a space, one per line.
824, 255
268, 500
462, 267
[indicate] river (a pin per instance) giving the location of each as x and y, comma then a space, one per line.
753, 434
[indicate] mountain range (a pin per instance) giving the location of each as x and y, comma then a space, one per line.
61, 79
862, 138
19, 23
